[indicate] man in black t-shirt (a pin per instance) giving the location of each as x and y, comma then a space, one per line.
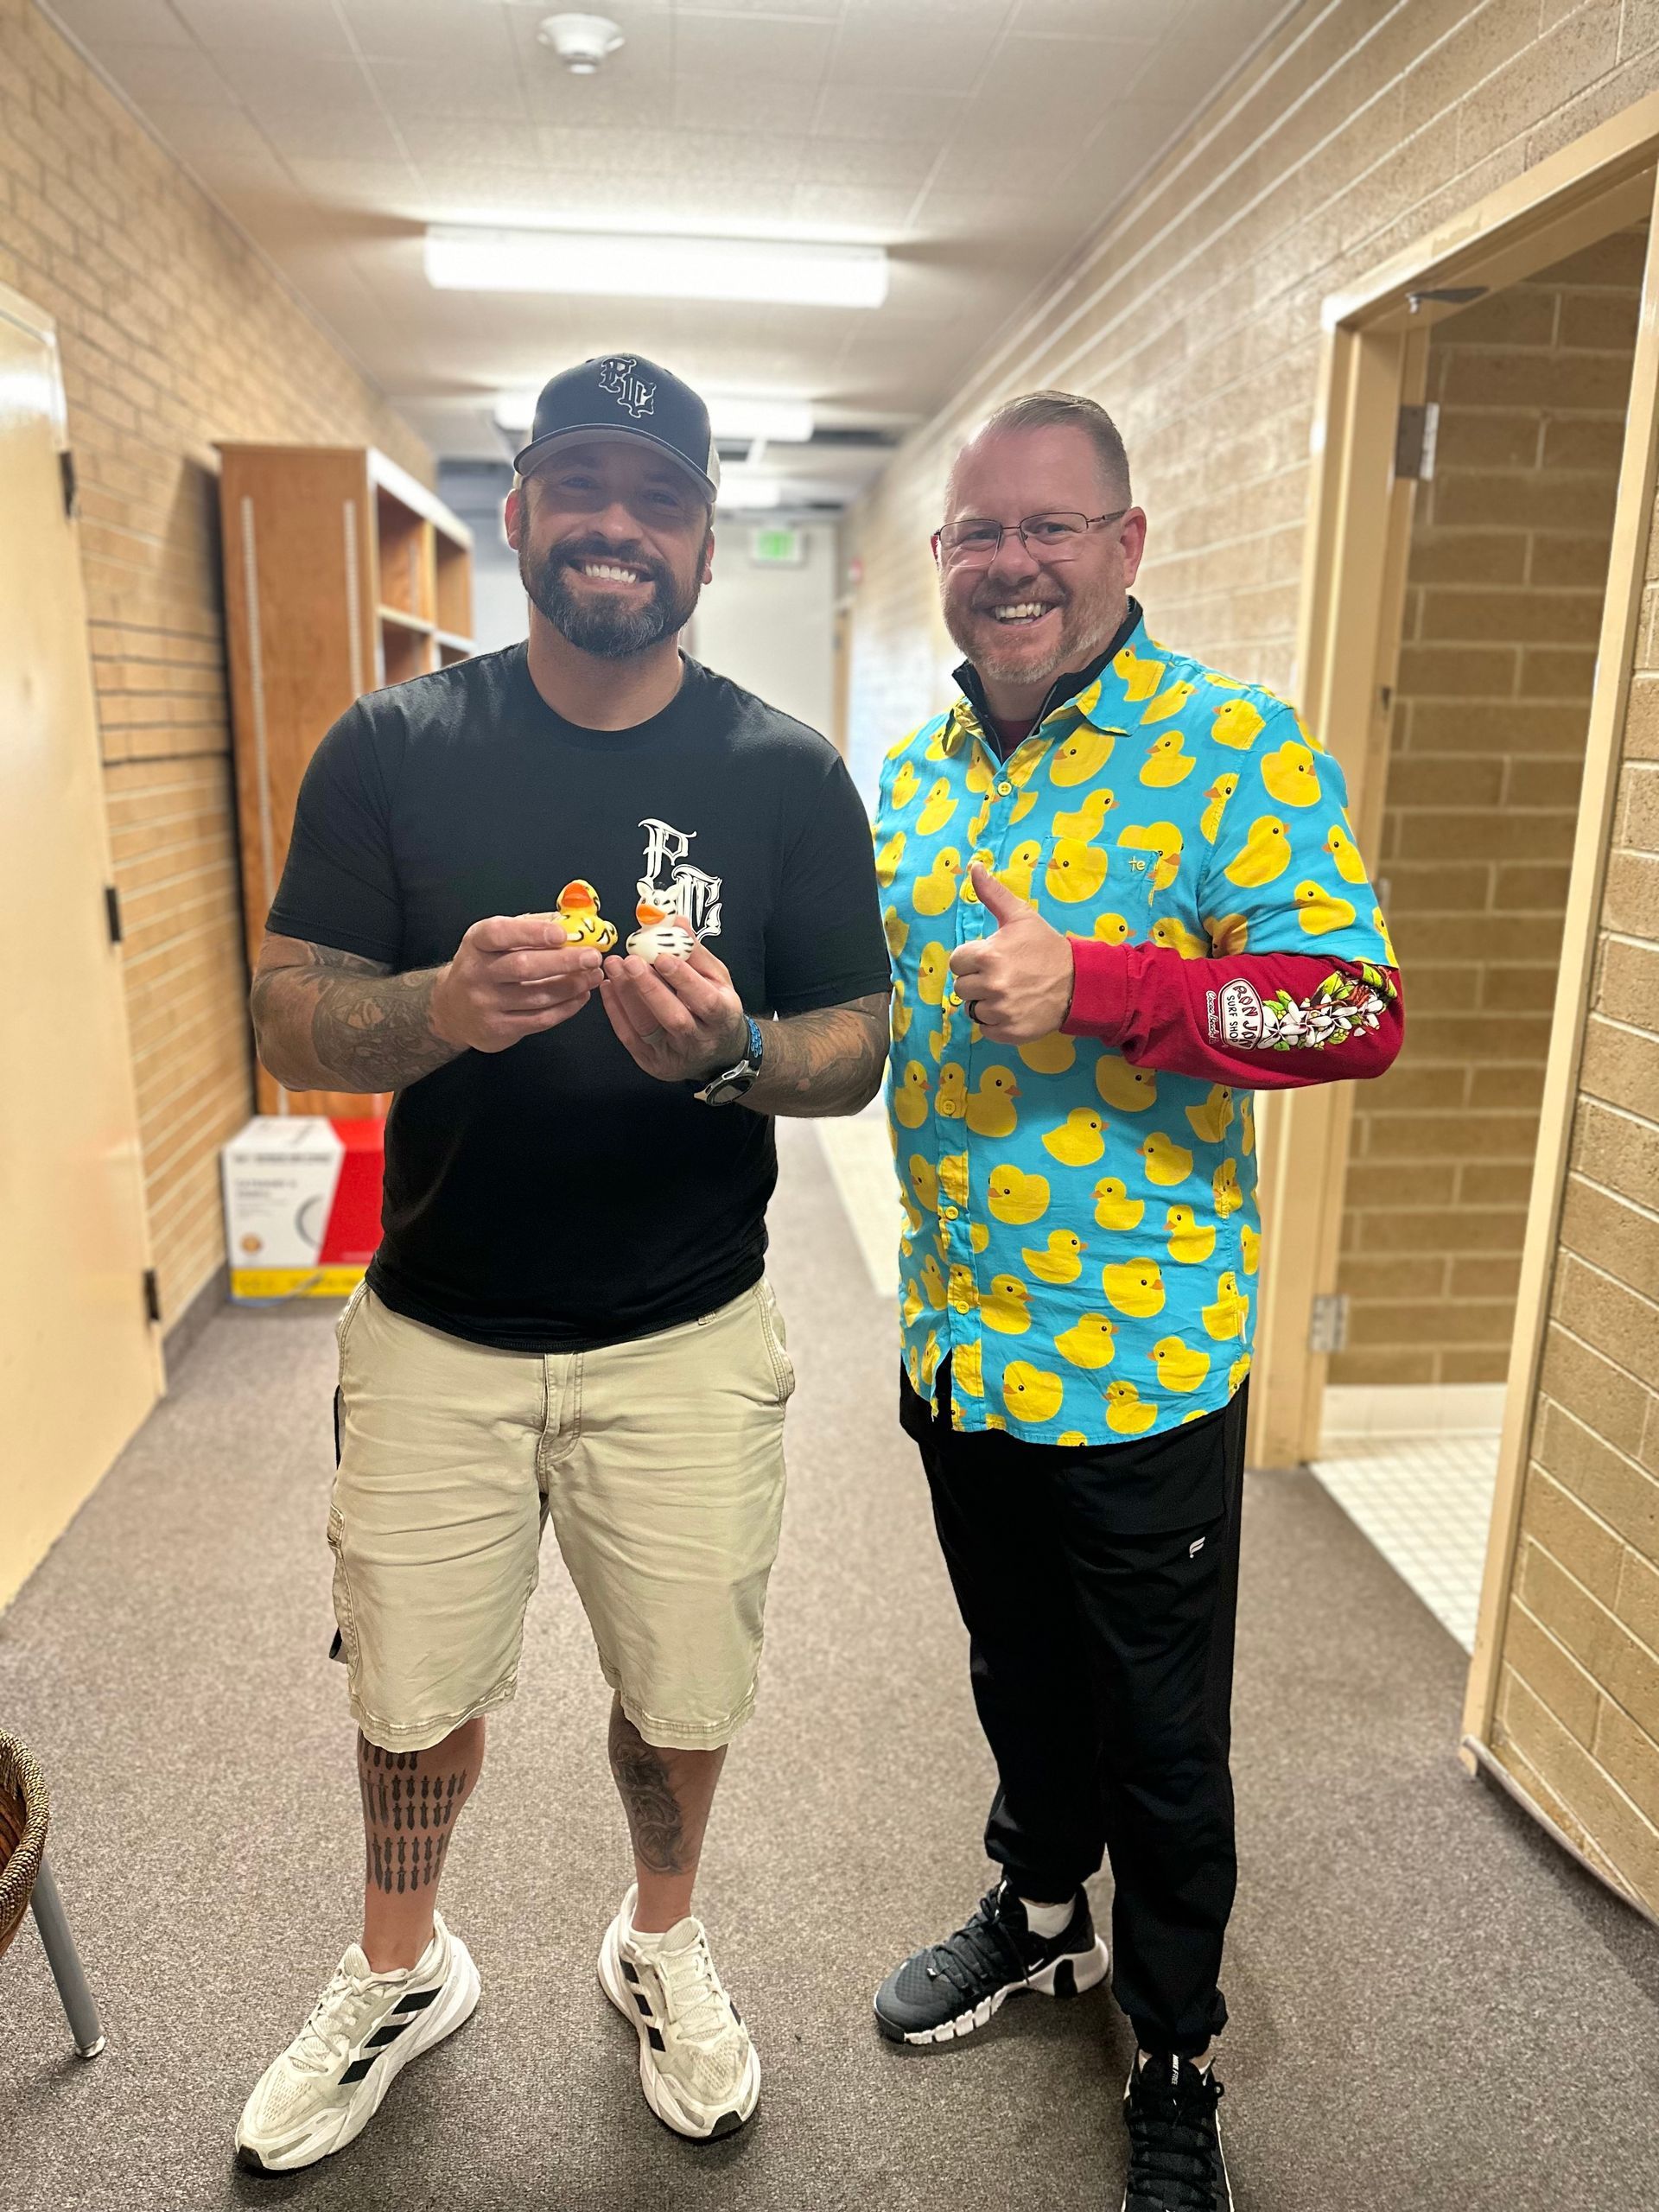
594, 915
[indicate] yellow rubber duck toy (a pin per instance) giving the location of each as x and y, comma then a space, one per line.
1351, 866
938, 808
905, 785
1230, 1315
1003, 1308
1015, 871
1161, 838
1075, 871
1190, 1242
1130, 1090
1014, 1196
1168, 703
1088, 1342
1212, 1121
1166, 1161
1050, 1055
1030, 1393
1127, 1413
1080, 1139
1166, 764
887, 859
1111, 929
1224, 1185
1229, 933
1181, 1367
1086, 822
923, 1182
990, 1109
1114, 1207
1265, 855
1134, 1286
952, 1100
1237, 723
914, 1303
961, 1290
933, 1282
936, 891
1251, 1240
1084, 754
577, 912
933, 973
1141, 679
1061, 1262
966, 1370
1175, 936
1219, 794
1321, 911
1290, 776
896, 930
910, 1096
953, 1177
900, 1010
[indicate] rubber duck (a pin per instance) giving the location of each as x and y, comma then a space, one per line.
933, 1282
1130, 1090
961, 1290
1061, 1262
924, 1181
887, 858
1166, 764
933, 973
1086, 822
1229, 933
980, 775
1003, 1308
905, 785
1126, 1411
1224, 1185
1230, 1315
910, 1096
1181, 1367
990, 1109
1219, 794
1290, 776
1351, 866
966, 1372
953, 1177
660, 936
1139, 678
1190, 1240
935, 892
1251, 1240
1084, 754
1321, 911
1016, 871
1114, 1207
1088, 1342
1168, 703
938, 808
1166, 1161
1134, 1286
952, 1099
896, 930
1014, 1196
1111, 929
1031, 1393
1051, 1055
1212, 1121
1237, 723
1079, 1139
1161, 838
576, 911
1265, 854
1075, 871
1175, 936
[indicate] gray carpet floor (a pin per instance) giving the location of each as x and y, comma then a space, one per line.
1432, 2007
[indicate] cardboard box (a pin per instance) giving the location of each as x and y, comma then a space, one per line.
302, 1205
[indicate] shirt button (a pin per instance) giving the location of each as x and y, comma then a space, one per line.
1003, 790
947, 1213
952, 1000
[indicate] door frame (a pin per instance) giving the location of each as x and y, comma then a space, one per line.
1359, 520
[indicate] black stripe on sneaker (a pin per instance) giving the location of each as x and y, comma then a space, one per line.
628, 1972
657, 2043
417, 2001
356, 2070
643, 2002
388, 2032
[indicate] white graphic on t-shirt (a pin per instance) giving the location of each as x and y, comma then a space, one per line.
672, 884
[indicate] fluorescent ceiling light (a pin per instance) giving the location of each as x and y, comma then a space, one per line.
748, 488
623, 264
733, 416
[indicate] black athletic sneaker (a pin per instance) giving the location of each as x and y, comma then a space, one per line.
1175, 2161
951, 1988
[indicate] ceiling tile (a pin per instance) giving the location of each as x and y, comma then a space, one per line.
329, 80
743, 104
470, 139
194, 130
295, 128
313, 26
470, 86
648, 48
1105, 19
101, 22
343, 183
754, 46
928, 46
870, 161
880, 210
844, 112
177, 76
741, 11
431, 28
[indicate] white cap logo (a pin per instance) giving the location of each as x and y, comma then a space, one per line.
631, 391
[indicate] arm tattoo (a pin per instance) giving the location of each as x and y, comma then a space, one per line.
332, 1021
826, 1061
648, 1798
409, 1811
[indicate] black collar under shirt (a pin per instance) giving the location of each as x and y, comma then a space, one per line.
1005, 735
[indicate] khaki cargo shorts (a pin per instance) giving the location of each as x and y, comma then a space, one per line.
660, 1464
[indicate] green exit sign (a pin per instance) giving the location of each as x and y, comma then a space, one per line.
777, 547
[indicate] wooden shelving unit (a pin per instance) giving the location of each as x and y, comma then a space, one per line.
342, 573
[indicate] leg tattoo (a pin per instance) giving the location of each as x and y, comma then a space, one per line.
653, 1811
407, 1815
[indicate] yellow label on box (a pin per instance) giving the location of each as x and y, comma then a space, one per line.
259, 1283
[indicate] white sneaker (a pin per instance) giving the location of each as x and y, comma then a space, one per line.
365, 2027
697, 2066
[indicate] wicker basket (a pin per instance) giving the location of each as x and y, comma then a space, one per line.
23, 1807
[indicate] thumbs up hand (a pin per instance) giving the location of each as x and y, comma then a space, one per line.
1016, 982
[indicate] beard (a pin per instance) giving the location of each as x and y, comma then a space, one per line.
600, 627
1003, 653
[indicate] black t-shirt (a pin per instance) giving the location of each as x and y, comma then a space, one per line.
554, 1197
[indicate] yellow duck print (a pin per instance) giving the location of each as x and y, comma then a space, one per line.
910, 1096
914, 1303
900, 1010
923, 1182
952, 1099
940, 804
1168, 703
1126, 1411
1224, 1184
967, 1372
1130, 1090
933, 1282
1290, 775
1212, 1121
978, 1235
1229, 933
898, 751
1072, 1436
1321, 911
1016, 871
1111, 929
1251, 1240
1166, 1160
1114, 1207
1088, 1342
1381, 929
1189, 1242
1134, 1286
887, 859
576, 911
981, 775
961, 1290
1180, 1366
896, 930
1247, 1127
990, 1109
1030, 1393
936, 1038
905, 785
1050, 1055
1080, 1139
1061, 1262
1230, 1313
1139, 678
930, 1359
1266, 854
936, 891
1075, 870
1351, 866
1166, 764
1219, 794
1087, 821
1162, 838
1237, 723
1175, 936
1238, 1371
1004, 1307
932, 974
1084, 754
953, 1177
1016, 1198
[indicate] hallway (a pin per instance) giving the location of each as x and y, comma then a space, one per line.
1433, 2007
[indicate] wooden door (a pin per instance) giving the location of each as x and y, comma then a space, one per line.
80, 1359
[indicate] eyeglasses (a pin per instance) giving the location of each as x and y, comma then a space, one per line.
976, 542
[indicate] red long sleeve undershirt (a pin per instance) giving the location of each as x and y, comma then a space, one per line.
1219, 1019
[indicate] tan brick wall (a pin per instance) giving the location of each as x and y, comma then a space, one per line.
1507, 573
174, 333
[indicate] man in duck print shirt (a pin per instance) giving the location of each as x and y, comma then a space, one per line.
1122, 891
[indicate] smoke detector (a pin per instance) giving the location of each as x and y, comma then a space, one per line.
582, 42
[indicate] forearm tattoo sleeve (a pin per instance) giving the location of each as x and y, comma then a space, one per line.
330, 1021
826, 1061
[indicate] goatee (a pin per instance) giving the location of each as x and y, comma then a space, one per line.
601, 626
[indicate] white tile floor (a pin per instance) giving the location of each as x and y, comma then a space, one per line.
1425, 1502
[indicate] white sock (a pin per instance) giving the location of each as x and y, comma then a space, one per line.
663, 1939
1047, 1920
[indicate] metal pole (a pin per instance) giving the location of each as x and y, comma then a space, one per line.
65, 1962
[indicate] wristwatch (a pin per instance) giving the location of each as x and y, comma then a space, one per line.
724, 1089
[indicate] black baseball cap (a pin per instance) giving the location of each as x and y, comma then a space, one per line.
623, 395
